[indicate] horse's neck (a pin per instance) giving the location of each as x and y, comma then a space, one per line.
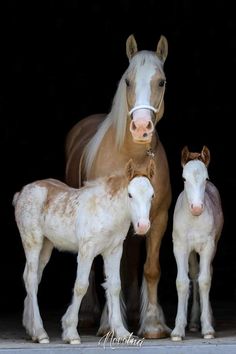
137, 151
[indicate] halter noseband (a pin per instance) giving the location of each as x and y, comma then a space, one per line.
151, 108
142, 106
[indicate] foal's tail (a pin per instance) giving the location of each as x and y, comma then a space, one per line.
15, 198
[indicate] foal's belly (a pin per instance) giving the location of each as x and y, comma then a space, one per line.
61, 233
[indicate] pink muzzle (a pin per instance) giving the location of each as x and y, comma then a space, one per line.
142, 226
196, 210
141, 125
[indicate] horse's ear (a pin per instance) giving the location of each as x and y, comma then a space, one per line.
129, 169
184, 156
205, 155
131, 46
151, 169
162, 49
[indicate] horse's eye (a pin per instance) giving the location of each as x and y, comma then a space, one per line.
153, 196
162, 83
127, 82
207, 179
184, 179
130, 196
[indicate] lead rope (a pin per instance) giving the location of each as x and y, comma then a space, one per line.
149, 150
80, 168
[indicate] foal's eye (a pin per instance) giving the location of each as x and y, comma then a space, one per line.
153, 196
184, 179
162, 83
127, 82
207, 179
130, 196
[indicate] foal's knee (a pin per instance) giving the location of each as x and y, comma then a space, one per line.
204, 283
81, 289
182, 285
113, 288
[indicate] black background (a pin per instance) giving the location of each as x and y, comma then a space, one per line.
62, 62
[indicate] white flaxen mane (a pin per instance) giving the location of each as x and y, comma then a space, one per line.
119, 111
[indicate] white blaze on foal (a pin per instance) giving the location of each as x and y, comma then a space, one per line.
92, 220
197, 226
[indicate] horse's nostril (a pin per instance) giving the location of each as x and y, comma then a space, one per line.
150, 126
145, 135
133, 126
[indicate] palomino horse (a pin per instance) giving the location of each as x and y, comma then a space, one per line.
99, 144
197, 226
92, 220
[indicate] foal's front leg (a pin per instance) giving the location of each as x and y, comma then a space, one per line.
113, 287
182, 285
204, 281
70, 319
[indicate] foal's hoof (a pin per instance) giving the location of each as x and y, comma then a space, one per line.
176, 338
209, 336
44, 341
42, 338
194, 328
74, 341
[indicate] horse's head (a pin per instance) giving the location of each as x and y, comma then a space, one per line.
195, 176
140, 194
145, 87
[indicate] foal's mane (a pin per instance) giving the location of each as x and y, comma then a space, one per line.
117, 118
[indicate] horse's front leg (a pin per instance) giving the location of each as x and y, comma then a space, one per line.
70, 319
152, 317
112, 286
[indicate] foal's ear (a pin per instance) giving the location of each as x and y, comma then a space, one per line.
151, 169
184, 156
162, 49
129, 169
131, 46
205, 155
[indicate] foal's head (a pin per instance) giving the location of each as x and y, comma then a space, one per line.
195, 176
145, 87
140, 194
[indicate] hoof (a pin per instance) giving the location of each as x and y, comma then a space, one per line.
74, 341
44, 341
103, 331
156, 335
194, 328
208, 336
176, 338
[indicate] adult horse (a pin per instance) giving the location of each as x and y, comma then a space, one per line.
99, 144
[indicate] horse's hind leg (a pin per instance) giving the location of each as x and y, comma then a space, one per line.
195, 310
31, 317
